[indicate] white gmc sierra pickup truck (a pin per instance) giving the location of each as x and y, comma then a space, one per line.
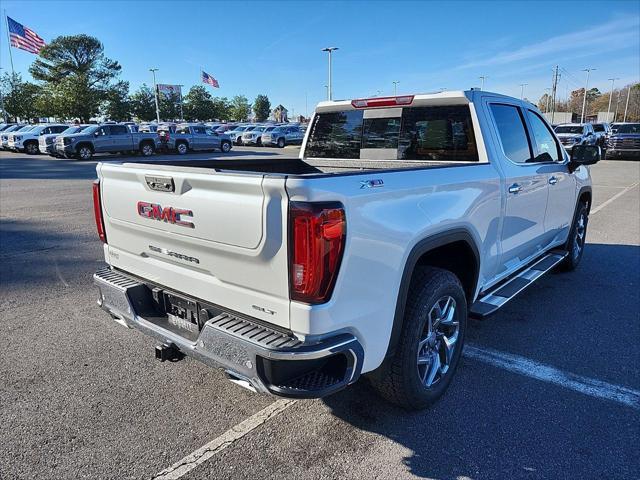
402, 217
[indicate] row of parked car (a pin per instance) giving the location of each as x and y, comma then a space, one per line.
616, 139
83, 141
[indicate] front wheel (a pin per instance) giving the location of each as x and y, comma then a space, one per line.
147, 149
430, 343
281, 143
225, 147
577, 239
85, 153
32, 148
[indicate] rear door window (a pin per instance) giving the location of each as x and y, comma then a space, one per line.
512, 132
119, 130
199, 130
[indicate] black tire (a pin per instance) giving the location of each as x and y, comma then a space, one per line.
225, 146
281, 143
399, 378
259, 142
239, 141
577, 239
147, 149
84, 152
182, 148
31, 148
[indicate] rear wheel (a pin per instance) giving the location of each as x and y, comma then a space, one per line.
182, 148
430, 343
577, 239
225, 147
239, 141
259, 142
281, 143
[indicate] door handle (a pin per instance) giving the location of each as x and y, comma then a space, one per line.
515, 188
553, 181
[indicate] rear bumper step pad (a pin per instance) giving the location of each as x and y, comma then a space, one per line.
271, 361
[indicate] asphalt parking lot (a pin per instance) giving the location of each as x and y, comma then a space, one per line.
548, 388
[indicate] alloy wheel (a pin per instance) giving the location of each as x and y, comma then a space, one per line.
579, 238
438, 341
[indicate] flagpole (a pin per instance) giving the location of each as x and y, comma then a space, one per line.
6, 21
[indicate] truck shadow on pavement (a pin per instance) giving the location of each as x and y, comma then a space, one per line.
49, 168
496, 424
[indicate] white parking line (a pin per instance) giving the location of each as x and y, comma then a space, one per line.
225, 440
539, 371
616, 196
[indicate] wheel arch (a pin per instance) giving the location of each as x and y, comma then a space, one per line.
436, 250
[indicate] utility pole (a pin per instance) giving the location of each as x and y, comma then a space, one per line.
330, 88
155, 93
482, 79
613, 81
556, 77
586, 87
395, 87
522, 85
627, 105
615, 115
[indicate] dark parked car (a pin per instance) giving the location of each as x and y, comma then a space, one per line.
624, 140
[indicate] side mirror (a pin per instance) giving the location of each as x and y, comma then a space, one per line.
584, 155
96, 133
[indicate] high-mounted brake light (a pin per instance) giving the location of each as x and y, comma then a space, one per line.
382, 101
97, 211
317, 233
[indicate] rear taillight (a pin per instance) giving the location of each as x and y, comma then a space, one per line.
317, 233
97, 211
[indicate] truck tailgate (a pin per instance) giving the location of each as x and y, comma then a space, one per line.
215, 236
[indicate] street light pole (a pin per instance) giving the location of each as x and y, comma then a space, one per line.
482, 79
522, 85
613, 81
155, 92
586, 86
330, 87
395, 87
627, 105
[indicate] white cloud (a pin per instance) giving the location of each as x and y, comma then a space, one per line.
613, 35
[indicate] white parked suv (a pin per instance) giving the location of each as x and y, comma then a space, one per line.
27, 141
401, 218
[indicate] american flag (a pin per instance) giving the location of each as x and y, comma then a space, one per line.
23, 37
206, 78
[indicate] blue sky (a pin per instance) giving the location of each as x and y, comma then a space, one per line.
274, 48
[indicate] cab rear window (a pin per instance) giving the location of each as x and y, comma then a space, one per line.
438, 133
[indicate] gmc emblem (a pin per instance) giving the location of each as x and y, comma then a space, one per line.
155, 211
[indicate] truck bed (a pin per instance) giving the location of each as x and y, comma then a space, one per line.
296, 166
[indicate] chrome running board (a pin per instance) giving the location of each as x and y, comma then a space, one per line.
492, 300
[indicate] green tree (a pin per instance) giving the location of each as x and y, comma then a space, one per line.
21, 99
222, 109
262, 108
240, 108
169, 106
143, 104
117, 105
76, 68
198, 104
